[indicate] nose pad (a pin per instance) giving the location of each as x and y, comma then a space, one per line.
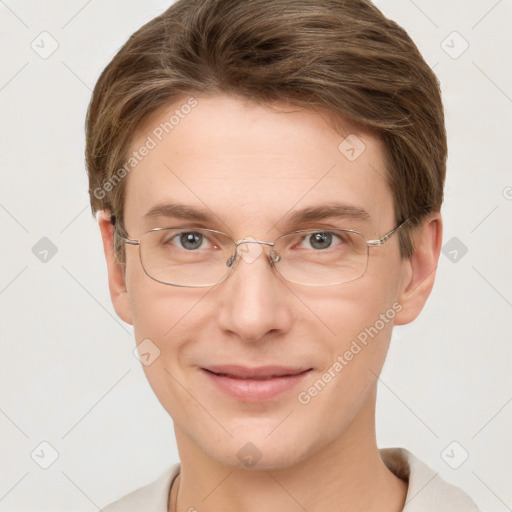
249, 250
274, 257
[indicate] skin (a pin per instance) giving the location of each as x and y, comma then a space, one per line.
251, 165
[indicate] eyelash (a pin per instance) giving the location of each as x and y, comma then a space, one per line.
302, 238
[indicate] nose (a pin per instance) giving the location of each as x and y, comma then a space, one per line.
253, 300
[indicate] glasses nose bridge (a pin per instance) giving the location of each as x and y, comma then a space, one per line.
238, 243
252, 241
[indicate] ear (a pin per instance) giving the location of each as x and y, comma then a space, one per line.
419, 271
116, 278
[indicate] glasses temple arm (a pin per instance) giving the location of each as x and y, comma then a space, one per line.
382, 241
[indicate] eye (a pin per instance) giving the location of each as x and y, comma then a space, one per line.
322, 240
190, 240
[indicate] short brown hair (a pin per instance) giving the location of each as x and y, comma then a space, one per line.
343, 57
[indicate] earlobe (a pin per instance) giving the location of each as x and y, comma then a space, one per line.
116, 277
419, 270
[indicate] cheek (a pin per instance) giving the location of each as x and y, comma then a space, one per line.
154, 305
164, 313
171, 318
357, 325
345, 311
164, 322
362, 322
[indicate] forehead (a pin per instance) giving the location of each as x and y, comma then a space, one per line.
241, 163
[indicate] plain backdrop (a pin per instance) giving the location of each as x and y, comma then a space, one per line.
71, 388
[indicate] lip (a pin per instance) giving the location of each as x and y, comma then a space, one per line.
245, 372
254, 384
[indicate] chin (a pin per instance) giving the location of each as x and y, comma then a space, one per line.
254, 451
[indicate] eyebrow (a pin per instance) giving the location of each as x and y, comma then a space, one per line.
330, 210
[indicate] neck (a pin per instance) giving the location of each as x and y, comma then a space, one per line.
345, 475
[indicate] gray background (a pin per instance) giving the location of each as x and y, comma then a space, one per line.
68, 374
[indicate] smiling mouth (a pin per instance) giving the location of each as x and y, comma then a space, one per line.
256, 384
262, 377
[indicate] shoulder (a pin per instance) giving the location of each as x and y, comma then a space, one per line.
149, 498
427, 490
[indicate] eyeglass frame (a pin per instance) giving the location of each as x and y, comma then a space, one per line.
233, 258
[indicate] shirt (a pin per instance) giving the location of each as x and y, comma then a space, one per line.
427, 491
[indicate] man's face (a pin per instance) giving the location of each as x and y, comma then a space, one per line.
250, 168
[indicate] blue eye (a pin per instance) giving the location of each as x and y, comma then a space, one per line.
191, 240
322, 240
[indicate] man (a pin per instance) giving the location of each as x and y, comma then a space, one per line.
268, 178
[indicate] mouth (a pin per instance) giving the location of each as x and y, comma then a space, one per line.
254, 384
